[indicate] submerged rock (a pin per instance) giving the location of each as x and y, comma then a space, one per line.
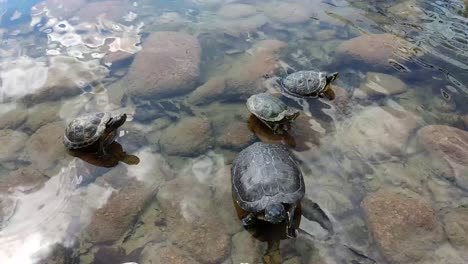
287, 13
45, 147
374, 49
188, 137
450, 144
120, 212
379, 84
110, 10
23, 179
405, 228
244, 76
11, 142
456, 228
194, 228
168, 65
233, 11
236, 136
61, 9
376, 133
41, 115
163, 254
13, 119
246, 248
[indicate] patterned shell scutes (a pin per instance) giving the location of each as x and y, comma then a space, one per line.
267, 107
305, 83
263, 174
85, 130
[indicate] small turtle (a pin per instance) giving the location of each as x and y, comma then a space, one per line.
268, 184
309, 84
88, 130
272, 112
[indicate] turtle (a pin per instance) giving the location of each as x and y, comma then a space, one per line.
310, 84
98, 129
268, 184
272, 112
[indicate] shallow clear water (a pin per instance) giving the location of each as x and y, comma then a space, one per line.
386, 160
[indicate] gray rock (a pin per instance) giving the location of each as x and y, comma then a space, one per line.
379, 84
12, 143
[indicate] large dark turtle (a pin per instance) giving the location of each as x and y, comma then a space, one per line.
267, 183
309, 84
272, 112
97, 129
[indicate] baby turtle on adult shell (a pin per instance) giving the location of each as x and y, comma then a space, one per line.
268, 184
88, 130
309, 84
272, 112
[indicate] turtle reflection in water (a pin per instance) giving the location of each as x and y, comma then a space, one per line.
268, 185
91, 138
114, 155
272, 112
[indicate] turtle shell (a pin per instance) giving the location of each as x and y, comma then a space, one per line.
85, 130
304, 83
264, 174
268, 107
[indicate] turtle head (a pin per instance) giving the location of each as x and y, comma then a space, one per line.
116, 122
327, 91
331, 77
275, 213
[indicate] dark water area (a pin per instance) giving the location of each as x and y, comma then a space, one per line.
384, 163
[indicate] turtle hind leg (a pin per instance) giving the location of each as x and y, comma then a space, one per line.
313, 212
248, 221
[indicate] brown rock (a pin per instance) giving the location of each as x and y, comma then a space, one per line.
375, 49
118, 57
167, 65
163, 254
236, 136
45, 147
233, 11
188, 137
112, 220
405, 228
451, 144
12, 143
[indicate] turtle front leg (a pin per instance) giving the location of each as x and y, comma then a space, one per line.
290, 230
248, 221
102, 149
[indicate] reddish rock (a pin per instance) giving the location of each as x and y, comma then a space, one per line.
376, 133
405, 228
23, 179
375, 49
120, 212
11, 142
188, 137
110, 10
456, 228
193, 225
450, 144
245, 76
236, 136
163, 254
233, 11
167, 65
